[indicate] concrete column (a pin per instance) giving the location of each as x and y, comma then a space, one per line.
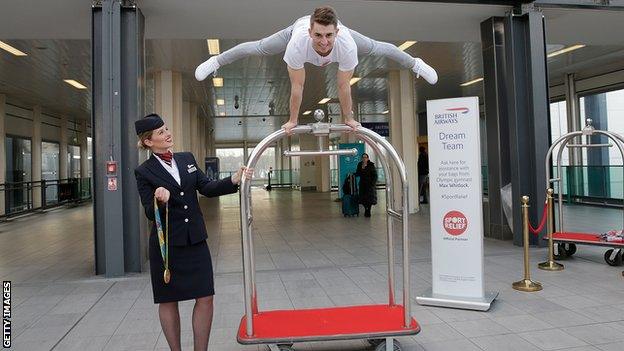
278, 152
2, 150
187, 130
324, 173
308, 177
404, 132
283, 162
84, 150
168, 104
207, 138
245, 151
201, 139
193, 129
575, 175
35, 158
63, 148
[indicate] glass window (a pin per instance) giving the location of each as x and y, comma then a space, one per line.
266, 161
18, 170
559, 127
604, 170
230, 159
606, 111
90, 157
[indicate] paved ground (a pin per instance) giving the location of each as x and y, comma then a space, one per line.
307, 255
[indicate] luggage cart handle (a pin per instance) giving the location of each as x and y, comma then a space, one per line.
588, 145
394, 214
347, 152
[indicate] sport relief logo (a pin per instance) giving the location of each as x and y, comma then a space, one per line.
455, 223
450, 115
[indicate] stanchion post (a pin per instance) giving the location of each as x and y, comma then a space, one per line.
550, 265
526, 284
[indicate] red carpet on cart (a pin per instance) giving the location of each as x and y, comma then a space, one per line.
591, 238
321, 322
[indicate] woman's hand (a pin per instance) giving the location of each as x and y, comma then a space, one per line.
236, 178
161, 194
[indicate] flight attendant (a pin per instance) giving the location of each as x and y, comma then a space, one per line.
180, 262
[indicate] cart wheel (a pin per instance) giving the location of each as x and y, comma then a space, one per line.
569, 248
375, 342
613, 259
382, 346
560, 252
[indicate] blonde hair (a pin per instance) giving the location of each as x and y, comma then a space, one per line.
142, 137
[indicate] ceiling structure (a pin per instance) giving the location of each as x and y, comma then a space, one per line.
447, 34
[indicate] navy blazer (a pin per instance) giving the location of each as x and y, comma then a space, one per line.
185, 216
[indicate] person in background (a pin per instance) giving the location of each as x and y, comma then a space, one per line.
368, 180
423, 174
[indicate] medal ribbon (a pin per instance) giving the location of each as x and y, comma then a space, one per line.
163, 237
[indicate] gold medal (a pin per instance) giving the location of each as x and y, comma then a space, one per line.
167, 276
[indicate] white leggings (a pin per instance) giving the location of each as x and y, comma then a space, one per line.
276, 43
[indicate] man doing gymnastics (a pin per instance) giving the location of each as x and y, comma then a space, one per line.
319, 39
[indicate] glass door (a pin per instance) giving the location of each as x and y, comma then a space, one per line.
50, 169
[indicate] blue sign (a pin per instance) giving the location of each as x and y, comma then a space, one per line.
381, 128
348, 164
212, 168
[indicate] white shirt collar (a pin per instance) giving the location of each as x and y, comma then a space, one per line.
173, 169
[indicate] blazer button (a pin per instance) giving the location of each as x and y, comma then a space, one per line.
185, 207
182, 193
186, 220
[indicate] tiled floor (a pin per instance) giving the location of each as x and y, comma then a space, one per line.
307, 255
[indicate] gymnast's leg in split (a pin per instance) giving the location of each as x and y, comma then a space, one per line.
370, 47
271, 45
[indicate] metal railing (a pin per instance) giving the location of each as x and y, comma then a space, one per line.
20, 197
591, 184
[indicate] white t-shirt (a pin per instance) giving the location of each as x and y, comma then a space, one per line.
300, 50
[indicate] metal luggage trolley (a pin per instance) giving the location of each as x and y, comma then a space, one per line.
566, 241
379, 324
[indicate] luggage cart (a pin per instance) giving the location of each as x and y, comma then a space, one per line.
567, 241
379, 324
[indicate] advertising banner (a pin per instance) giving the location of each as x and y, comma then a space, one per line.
212, 167
456, 208
348, 164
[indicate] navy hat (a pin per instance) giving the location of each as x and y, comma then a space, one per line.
147, 123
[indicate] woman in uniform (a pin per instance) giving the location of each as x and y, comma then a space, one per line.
183, 269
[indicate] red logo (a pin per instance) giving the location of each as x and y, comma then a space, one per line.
463, 110
455, 223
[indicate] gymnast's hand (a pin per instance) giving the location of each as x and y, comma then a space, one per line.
162, 195
288, 126
352, 123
